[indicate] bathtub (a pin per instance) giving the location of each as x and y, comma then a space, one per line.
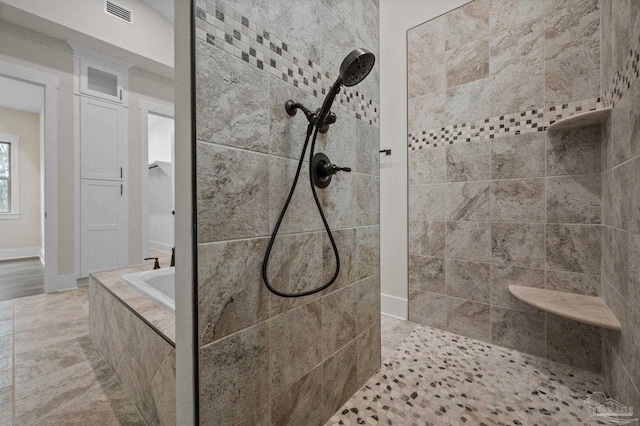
158, 285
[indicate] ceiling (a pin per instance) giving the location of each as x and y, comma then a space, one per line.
20, 96
163, 7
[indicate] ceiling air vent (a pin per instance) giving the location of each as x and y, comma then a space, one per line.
114, 9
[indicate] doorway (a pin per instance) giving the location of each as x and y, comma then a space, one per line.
24, 134
158, 177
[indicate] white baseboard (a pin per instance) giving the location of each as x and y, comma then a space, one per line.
393, 306
20, 253
61, 283
165, 248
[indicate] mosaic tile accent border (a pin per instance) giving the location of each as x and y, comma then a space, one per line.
535, 120
624, 77
226, 28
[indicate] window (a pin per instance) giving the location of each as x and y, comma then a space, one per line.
8, 176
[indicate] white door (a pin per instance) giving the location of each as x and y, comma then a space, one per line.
102, 226
102, 134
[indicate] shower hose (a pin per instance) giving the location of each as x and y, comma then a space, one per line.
310, 130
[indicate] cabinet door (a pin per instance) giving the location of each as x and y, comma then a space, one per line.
102, 133
102, 82
102, 236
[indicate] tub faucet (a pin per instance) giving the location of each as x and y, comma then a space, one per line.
156, 265
173, 257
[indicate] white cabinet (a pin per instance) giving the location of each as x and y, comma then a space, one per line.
102, 139
102, 226
102, 82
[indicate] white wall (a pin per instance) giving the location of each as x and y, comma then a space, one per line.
23, 233
396, 17
160, 130
149, 35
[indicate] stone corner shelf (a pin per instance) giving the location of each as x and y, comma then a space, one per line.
587, 309
580, 120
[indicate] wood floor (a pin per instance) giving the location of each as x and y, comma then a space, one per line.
21, 277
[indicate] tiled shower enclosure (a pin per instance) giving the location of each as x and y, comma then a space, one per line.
495, 199
264, 359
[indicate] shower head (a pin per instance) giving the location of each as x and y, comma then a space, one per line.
355, 68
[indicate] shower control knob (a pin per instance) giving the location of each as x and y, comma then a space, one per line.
323, 169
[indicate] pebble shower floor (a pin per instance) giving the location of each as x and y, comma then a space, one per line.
440, 378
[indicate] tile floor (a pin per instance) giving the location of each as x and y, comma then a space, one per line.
50, 372
435, 377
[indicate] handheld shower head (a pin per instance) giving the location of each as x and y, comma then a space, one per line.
355, 68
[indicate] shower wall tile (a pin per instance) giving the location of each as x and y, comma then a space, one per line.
574, 199
426, 40
576, 76
504, 276
236, 95
517, 90
427, 202
467, 280
621, 32
621, 130
572, 282
518, 244
468, 161
428, 309
346, 242
368, 300
518, 157
295, 266
236, 379
467, 63
231, 295
298, 404
427, 166
427, 274
342, 199
366, 29
575, 151
572, 29
339, 315
509, 13
518, 200
232, 199
466, 102
467, 201
574, 248
517, 47
467, 23
367, 251
300, 215
468, 241
368, 357
295, 346
340, 381
573, 343
523, 331
368, 208
426, 238
367, 147
426, 112
421, 82
469, 319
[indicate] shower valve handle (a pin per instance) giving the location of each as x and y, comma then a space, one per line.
332, 169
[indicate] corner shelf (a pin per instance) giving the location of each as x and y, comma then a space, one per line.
587, 309
579, 120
